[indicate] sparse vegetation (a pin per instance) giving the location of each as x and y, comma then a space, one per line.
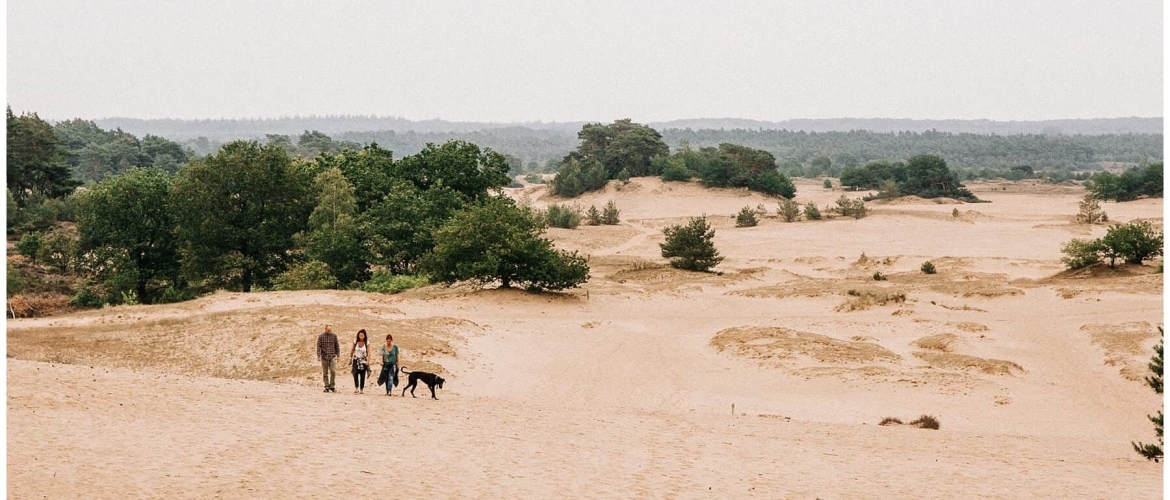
691, 246
828, 184
746, 218
312, 275
878, 276
534, 178
30, 246
384, 282
860, 300
851, 207
890, 421
1133, 243
610, 215
1080, 253
811, 212
1130, 185
593, 216
925, 422
1149, 450
1091, 212
955, 212
928, 267
789, 210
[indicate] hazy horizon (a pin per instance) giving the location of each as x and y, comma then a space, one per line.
529, 61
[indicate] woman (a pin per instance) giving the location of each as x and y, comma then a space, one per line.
358, 360
389, 364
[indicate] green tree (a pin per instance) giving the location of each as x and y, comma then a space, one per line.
369, 170
622, 144
311, 275
1133, 242
692, 246
929, 177
30, 246
494, 240
402, 225
128, 215
593, 216
58, 250
335, 236
746, 218
236, 213
811, 212
1081, 253
790, 210
610, 215
576, 177
1147, 450
37, 160
456, 165
732, 165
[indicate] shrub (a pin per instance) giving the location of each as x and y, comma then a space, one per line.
593, 216
29, 305
888, 190
534, 178
30, 245
746, 218
811, 212
1090, 211
860, 300
691, 247
1081, 253
890, 421
16, 282
928, 267
789, 210
58, 250
925, 422
954, 212
88, 296
878, 276
563, 216
172, 294
623, 175
385, 282
828, 184
312, 275
1133, 242
609, 214
676, 169
1149, 450
578, 177
851, 208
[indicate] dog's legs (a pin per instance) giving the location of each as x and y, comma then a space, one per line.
432, 388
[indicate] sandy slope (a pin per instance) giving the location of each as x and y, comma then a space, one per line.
625, 388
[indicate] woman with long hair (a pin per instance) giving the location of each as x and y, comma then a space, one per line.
389, 374
359, 360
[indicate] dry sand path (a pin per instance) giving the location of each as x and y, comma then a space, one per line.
114, 433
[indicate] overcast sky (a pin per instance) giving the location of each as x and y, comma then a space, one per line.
596, 60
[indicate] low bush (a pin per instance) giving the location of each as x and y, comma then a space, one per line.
746, 218
171, 295
610, 214
393, 283
925, 422
30, 245
860, 300
691, 247
535, 178
593, 216
890, 421
811, 212
29, 305
928, 267
851, 208
878, 276
789, 210
1090, 211
563, 216
312, 275
828, 184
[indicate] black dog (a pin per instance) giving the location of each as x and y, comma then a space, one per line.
430, 379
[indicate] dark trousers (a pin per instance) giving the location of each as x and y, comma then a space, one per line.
391, 377
359, 375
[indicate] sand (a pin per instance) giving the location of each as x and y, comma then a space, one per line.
625, 388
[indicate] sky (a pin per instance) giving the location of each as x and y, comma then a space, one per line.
650, 60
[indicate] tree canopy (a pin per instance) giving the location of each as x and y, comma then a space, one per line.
38, 163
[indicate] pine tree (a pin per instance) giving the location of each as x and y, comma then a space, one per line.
609, 215
1148, 450
691, 247
593, 217
746, 218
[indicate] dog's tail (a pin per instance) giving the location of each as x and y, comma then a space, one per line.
404, 370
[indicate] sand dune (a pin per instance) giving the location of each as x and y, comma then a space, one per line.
625, 388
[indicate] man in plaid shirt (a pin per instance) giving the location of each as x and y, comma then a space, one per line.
327, 351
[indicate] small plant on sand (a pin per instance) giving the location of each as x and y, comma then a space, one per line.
878, 276
828, 184
789, 210
925, 422
1149, 450
811, 212
593, 216
954, 212
609, 214
890, 421
761, 210
928, 267
860, 300
1091, 212
746, 218
851, 208
385, 282
692, 246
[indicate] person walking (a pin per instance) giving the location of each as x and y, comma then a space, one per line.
327, 351
359, 361
389, 375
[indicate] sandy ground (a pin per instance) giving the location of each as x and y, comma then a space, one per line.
625, 388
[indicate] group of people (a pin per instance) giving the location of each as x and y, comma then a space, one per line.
328, 350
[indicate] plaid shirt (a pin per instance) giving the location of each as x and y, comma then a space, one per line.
327, 347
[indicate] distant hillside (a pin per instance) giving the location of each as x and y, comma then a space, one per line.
222, 130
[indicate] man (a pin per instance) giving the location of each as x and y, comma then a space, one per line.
327, 351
